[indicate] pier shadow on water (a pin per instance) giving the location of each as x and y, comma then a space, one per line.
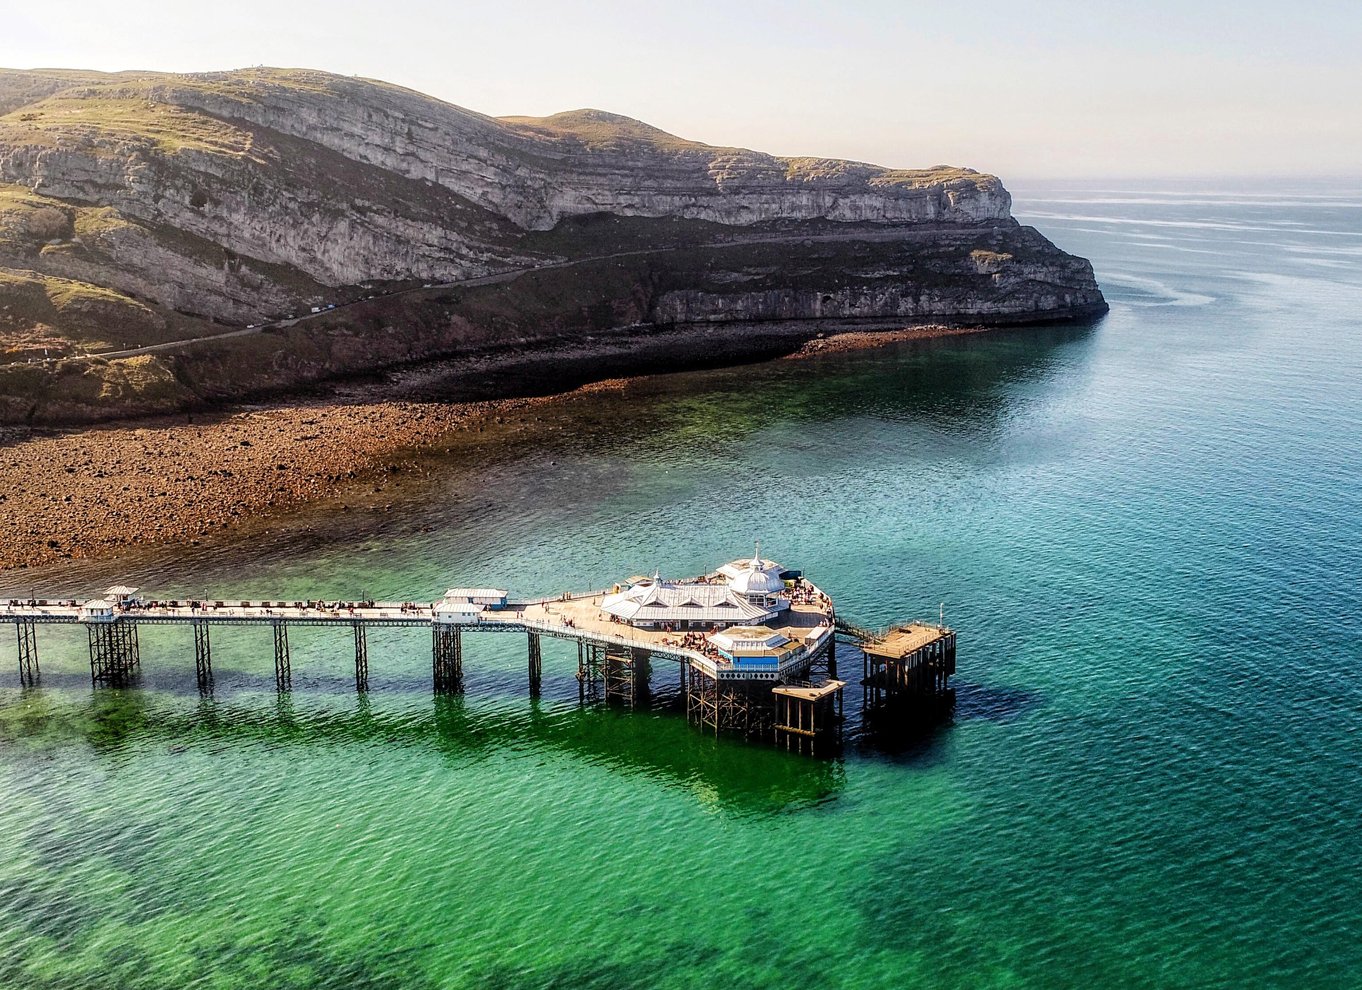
657, 743
916, 734
124, 723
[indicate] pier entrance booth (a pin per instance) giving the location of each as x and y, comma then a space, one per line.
457, 613
97, 610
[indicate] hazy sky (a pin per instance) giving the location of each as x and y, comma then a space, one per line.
1024, 89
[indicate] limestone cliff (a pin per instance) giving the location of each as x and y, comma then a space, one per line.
194, 203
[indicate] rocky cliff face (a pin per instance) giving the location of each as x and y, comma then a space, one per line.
232, 198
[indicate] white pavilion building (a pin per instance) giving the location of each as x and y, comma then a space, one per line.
740, 593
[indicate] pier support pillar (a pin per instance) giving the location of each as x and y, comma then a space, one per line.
588, 672
26, 631
625, 675
703, 704
832, 655
203, 655
361, 656
729, 705
536, 664
446, 652
283, 665
114, 654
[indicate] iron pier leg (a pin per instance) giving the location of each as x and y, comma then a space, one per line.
866, 703
536, 665
832, 655
361, 657
27, 632
114, 655
203, 655
588, 671
129, 652
619, 676
283, 667
446, 652
626, 675
643, 674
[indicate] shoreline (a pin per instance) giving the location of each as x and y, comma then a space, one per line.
97, 492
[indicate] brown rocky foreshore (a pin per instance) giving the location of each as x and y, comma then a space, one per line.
859, 340
101, 491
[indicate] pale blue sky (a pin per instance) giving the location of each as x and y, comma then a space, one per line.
1025, 89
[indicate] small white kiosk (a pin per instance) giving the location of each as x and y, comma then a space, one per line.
97, 610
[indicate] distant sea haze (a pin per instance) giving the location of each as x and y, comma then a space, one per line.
1145, 530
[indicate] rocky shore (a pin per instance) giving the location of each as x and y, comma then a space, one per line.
102, 491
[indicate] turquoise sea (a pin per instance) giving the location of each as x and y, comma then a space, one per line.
1147, 530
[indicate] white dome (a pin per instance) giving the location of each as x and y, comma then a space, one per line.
757, 580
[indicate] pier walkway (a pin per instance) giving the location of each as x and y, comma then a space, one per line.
575, 617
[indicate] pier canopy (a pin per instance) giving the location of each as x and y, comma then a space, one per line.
746, 565
121, 594
687, 604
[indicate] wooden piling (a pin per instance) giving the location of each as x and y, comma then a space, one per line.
808, 716
908, 667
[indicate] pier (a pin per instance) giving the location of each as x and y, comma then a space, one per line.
754, 643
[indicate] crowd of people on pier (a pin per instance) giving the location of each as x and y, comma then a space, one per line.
804, 593
334, 609
695, 641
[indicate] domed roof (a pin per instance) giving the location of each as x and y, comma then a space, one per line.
757, 579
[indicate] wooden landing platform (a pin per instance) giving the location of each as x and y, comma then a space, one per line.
807, 716
903, 640
910, 663
815, 692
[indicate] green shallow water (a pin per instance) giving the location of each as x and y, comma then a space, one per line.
1146, 531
